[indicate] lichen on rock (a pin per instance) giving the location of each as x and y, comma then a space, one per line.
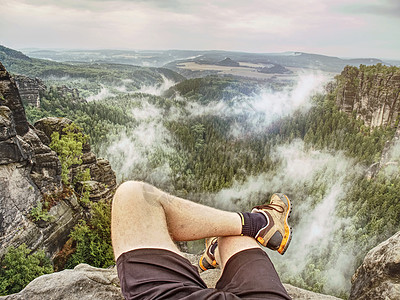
379, 275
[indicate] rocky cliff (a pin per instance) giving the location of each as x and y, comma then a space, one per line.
371, 92
379, 275
30, 171
390, 158
30, 89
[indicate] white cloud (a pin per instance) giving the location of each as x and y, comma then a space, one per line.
159, 89
254, 26
314, 234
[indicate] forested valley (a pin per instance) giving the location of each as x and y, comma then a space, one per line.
231, 143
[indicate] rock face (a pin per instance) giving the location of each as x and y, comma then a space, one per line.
81, 283
103, 179
30, 171
390, 158
30, 89
10, 98
372, 92
379, 275
27, 169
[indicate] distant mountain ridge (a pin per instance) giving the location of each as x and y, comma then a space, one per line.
170, 58
4, 52
100, 73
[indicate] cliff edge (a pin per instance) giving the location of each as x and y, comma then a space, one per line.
371, 92
30, 172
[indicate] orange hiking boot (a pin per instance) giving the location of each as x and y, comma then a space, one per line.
207, 260
277, 234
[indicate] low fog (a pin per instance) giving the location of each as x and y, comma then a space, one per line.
300, 171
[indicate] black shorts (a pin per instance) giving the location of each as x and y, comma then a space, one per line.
162, 274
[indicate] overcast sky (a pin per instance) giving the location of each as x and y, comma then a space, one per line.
345, 28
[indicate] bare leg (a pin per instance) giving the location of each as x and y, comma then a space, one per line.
230, 245
145, 217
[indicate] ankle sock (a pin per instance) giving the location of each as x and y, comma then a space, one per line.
252, 223
213, 247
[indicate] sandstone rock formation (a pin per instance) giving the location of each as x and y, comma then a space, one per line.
390, 158
30, 89
379, 275
30, 171
103, 179
81, 283
10, 98
27, 168
86, 282
373, 93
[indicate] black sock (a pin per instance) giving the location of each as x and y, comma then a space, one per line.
252, 223
213, 247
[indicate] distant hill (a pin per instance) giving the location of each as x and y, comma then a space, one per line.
146, 58
228, 63
287, 59
6, 53
170, 58
101, 73
275, 69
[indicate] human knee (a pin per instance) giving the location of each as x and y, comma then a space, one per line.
127, 192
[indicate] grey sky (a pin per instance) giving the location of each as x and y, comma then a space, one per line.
358, 28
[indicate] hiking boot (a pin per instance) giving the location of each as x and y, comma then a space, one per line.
277, 234
207, 260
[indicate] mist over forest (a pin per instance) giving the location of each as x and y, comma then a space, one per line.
221, 137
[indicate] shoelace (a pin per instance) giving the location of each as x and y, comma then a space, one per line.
272, 206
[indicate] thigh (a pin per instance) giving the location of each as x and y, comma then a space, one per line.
138, 220
162, 274
250, 274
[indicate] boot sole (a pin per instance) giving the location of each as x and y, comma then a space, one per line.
204, 263
288, 230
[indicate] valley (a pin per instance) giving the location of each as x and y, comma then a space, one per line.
229, 133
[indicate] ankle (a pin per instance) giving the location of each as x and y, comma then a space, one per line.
252, 223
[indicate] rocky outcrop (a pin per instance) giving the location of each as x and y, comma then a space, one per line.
21, 143
30, 89
300, 294
81, 283
72, 93
274, 69
379, 275
9, 97
46, 167
103, 179
227, 62
372, 93
86, 282
30, 172
390, 158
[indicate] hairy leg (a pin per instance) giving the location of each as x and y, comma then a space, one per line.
230, 245
145, 217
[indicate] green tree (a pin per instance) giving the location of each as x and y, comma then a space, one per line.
93, 239
19, 267
69, 148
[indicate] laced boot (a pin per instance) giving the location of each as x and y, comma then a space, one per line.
207, 260
277, 234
